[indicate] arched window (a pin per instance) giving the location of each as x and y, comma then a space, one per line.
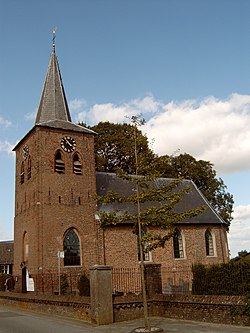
77, 165
209, 243
25, 247
146, 255
22, 173
71, 247
178, 244
29, 168
59, 163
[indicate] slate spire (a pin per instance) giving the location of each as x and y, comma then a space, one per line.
53, 103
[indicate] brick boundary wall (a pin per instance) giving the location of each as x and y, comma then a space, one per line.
214, 309
73, 307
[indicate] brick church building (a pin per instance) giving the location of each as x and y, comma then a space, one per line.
55, 203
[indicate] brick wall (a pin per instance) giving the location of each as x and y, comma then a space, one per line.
49, 203
214, 309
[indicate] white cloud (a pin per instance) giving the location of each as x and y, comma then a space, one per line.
77, 104
4, 122
30, 116
118, 113
209, 129
239, 234
78, 110
241, 213
6, 147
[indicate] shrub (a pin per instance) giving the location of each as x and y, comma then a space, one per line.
84, 286
3, 278
221, 279
63, 283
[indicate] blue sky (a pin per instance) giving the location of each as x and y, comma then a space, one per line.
183, 64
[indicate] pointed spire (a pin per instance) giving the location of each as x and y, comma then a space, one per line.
53, 103
53, 110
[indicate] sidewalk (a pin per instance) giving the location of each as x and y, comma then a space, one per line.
169, 325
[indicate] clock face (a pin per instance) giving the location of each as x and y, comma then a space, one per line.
25, 151
68, 144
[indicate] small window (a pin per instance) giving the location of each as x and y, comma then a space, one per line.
22, 173
71, 247
5, 269
178, 245
59, 163
77, 166
29, 168
209, 243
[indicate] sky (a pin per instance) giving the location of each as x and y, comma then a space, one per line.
183, 64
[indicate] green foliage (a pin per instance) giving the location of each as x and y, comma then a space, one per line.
221, 279
114, 149
242, 256
64, 283
243, 310
3, 278
84, 286
204, 176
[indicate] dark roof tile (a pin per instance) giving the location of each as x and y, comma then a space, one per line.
193, 199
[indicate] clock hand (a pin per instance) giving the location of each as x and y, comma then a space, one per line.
68, 143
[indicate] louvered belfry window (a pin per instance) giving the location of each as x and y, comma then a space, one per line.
59, 163
77, 165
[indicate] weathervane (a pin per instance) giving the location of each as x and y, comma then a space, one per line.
54, 37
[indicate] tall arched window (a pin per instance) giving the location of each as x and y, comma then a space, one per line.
71, 247
178, 244
209, 243
77, 165
59, 163
147, 256
25, 247
22, 173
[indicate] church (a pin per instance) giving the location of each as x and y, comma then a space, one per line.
56, 215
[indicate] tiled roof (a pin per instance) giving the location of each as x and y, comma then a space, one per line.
6, 252
193, 199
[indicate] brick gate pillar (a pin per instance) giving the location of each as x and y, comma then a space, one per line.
101, 294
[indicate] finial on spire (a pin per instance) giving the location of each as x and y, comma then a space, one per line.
54, 37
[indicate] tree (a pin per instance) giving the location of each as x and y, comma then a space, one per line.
114, 148
154, 223
204, 176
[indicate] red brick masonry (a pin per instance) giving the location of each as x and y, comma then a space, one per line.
216, 309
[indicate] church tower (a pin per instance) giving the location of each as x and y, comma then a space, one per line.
54, 189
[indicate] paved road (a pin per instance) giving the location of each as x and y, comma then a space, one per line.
17, 321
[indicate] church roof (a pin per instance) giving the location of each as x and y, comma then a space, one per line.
106, 182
